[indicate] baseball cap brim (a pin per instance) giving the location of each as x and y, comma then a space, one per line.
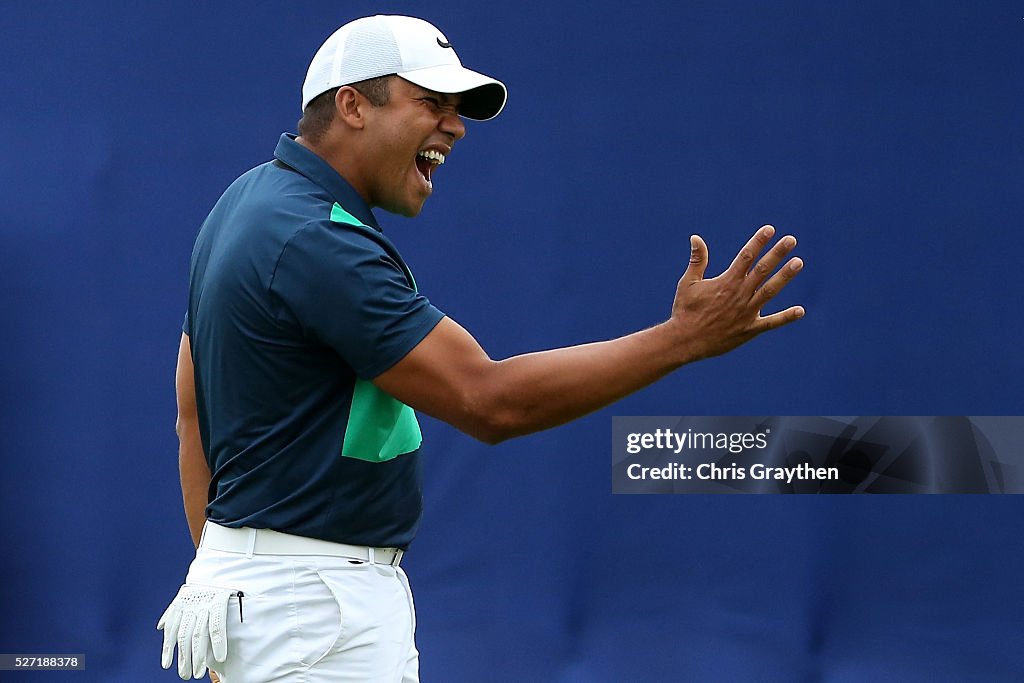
483, 97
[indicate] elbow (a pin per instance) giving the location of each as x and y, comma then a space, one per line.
491, 435
185, 427
491, 422
487, 407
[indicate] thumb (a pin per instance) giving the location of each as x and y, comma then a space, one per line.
698, 260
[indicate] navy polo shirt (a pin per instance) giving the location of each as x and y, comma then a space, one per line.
296, 301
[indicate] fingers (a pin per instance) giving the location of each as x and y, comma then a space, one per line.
169, 622
185, 630
698, 260
200, 646
773, 258
218, 639
776, 320
197, 630
745, 258
777, 282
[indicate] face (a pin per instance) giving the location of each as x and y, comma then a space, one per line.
411, 137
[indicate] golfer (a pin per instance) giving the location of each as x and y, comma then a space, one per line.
307, 349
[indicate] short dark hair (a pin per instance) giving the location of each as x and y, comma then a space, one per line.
318, 114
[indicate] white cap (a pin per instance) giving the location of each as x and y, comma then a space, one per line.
411, 48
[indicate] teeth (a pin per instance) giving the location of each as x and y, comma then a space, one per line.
432, 156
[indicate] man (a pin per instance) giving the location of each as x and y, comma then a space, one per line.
307, 347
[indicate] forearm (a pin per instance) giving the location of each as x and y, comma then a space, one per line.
192, 467
536, 391
195, 478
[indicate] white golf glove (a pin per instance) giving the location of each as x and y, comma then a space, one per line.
195, 620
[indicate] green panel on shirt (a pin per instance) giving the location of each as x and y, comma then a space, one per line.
380, 427
340, 215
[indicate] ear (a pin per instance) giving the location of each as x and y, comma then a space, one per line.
350, 107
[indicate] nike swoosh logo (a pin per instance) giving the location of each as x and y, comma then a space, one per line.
443, 44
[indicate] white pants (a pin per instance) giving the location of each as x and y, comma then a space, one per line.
312, 619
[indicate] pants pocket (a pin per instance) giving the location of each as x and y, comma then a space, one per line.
291, 622
377, 642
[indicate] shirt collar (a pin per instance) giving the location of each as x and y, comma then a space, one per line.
311, 165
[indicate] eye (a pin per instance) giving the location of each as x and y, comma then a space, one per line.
438, 106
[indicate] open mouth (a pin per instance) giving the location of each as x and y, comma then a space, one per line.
426, 161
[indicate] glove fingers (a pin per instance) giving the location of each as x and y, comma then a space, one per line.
200, 645
188, 624
169, 622
218, 621
195, 622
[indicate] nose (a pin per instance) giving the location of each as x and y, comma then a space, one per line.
451, 124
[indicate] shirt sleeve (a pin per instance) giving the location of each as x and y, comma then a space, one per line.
343, 288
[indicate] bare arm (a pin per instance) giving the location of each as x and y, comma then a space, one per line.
448, 375
195, 473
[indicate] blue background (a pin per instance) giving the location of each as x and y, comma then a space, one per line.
886, 137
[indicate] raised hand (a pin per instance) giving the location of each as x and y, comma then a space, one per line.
718, 314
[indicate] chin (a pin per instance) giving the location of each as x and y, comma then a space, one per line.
410, 210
